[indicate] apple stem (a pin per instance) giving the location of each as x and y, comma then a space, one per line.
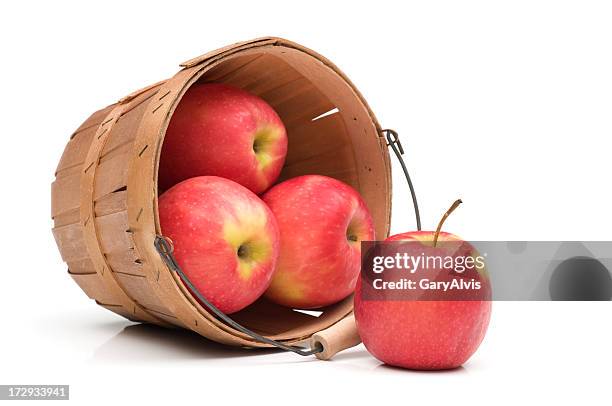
448, 212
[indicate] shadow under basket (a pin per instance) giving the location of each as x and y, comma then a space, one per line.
104, 197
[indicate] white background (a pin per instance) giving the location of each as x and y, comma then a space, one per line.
506, 105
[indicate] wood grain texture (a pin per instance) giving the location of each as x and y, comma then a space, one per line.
339, 337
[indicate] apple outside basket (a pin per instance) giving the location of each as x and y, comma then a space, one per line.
104, 197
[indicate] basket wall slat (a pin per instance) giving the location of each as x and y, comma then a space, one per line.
70, 238
124, 131
113, 232
66, 218
75, 152
77, 147
111, 203
138, 286
65, 194
332, 157
127, 261
168, 318
81, 266
112, 175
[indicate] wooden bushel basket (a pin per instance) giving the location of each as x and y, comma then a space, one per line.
104, 197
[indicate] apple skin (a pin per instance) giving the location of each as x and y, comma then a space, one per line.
322, 222
225, 239
423, 335
224, 131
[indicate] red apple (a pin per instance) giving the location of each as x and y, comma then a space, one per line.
223, 131
225, 239
322, 222
425, 334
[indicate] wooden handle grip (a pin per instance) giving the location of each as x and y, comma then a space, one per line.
336, 338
